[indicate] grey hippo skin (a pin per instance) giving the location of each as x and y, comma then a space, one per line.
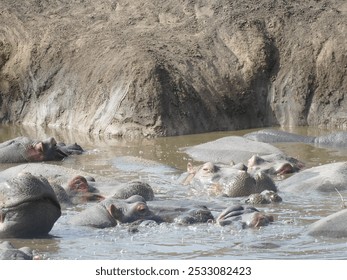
28, 207
337, 139
24, 149
334, 226
227, 180
135, 187
9, 252
248, 217
274, 164
324, 178
111, 211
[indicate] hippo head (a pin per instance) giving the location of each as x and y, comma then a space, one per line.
46, 150
199, 214
132, 209
79, 191
28, 207
274, 164
247, 216
205, 172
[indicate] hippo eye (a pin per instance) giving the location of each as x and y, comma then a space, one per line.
207, 169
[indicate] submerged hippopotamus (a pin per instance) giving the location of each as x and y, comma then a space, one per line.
28, 207
112, 211
325, 178
248, 217
229, 149
333, 226
24, 149
336, 139
227, 180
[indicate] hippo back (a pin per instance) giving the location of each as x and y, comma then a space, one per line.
334, 226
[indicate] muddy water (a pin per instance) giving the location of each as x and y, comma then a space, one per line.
284, 239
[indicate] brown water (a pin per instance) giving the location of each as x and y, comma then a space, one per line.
286, 238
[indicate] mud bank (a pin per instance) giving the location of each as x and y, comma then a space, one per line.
154, 68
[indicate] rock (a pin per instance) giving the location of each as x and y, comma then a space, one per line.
9, 252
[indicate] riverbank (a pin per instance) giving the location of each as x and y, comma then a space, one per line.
154, 68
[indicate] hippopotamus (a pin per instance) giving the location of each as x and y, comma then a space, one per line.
23, 149
333, 226
336, 139
274, 164
9, 252
112, 211
325, 178
28, 207
227, 180
265, 197
229, 149
249, 217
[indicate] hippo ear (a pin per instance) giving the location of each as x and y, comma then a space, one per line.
79, 184
52, 141
39, 147
190, 168
115, 212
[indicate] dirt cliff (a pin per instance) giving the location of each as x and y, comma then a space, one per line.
173, 67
